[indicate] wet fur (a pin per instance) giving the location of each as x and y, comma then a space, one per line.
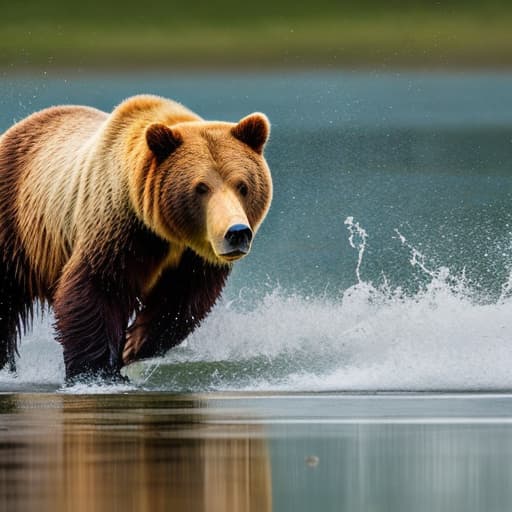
181, 299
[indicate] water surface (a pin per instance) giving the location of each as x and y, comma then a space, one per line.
255, 452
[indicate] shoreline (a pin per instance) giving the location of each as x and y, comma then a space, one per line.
459, 38
249, 70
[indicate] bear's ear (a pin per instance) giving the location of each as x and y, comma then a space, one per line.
253, 130
162, 140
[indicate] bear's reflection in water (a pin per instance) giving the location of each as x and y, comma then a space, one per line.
93, 457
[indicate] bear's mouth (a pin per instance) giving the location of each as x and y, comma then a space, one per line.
234, 255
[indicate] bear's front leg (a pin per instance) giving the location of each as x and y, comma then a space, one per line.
91, 312
177, 304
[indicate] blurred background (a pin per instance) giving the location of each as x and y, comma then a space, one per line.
326, 34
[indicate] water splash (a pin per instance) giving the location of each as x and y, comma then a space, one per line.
356, 230
371, 337
440, 277
87, 388
374, 337
417, 258
41, 366
506, 289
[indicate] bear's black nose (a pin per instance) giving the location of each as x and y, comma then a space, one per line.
239, 238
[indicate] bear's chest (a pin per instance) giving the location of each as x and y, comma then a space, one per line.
170, 259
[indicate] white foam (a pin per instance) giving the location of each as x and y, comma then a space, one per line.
85, 388
369, 340
40, 360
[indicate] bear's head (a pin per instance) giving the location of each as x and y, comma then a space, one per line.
207, 185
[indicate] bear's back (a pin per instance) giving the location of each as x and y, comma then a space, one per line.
37, 156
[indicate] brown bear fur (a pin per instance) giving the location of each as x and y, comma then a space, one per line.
106, 217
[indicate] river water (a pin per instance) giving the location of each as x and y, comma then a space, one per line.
384, 266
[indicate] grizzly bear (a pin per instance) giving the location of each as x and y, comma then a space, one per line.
125, 224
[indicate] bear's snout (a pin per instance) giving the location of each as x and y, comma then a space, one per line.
237, 240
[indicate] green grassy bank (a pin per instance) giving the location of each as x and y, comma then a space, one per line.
282, 34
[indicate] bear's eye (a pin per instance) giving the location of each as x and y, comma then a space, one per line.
202, 188
242, 188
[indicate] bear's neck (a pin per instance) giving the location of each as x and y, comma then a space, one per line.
144, 256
